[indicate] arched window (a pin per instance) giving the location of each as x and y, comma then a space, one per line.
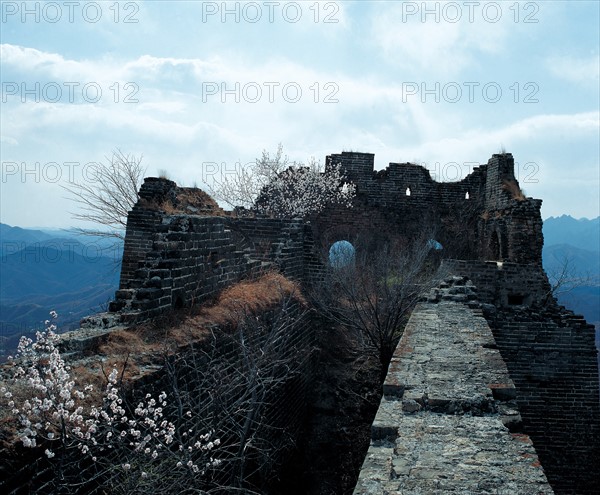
341, 254
435, 245
495, 246
408, 191
467, 195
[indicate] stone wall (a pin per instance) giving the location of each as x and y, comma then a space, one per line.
503, 284
551, 356
176, 256
181, 248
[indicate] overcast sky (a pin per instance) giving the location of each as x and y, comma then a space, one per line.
191, 84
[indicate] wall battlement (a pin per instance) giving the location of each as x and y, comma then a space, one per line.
485, 216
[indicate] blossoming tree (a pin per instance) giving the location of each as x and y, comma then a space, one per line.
275, 186
132, 448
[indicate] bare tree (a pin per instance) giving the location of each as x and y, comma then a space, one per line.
236, 386
372, 295
109, 196
244, 186
564, 277
275, 186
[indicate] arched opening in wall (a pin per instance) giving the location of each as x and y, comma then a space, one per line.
408, 192
515, 299
467, 196
434, 245
494, 246
341, 254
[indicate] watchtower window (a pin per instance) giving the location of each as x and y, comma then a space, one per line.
515, 299
341, 254
408, 191
467, 195
495, 246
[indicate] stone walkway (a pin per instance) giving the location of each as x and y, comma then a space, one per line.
448, 422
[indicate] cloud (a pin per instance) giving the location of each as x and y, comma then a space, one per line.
434, 43
581, 71
8, 140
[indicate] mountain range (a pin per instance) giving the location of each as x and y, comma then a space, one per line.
572, 249
52, 270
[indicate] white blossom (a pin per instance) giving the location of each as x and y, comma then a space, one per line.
275, 186
54, 411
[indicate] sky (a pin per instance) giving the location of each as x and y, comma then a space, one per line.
197, 87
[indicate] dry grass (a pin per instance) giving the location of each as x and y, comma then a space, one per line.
513, 188
260, 294
246, 297
199, 203
147, 343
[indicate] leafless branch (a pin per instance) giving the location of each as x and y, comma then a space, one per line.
109, 196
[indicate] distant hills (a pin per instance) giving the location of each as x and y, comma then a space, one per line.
582, 233
575, 244
42, 271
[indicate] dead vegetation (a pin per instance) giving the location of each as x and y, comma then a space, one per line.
513, 188
146, 344
186, 201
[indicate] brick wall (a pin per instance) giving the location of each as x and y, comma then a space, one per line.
174, 259
554, 363
448, 422
490, 224
180, 257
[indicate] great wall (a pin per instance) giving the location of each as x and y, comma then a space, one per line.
493, 388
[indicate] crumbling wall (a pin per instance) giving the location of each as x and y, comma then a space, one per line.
175, 255
179, 252
552, 358
181, 248
469, 217
503, 284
